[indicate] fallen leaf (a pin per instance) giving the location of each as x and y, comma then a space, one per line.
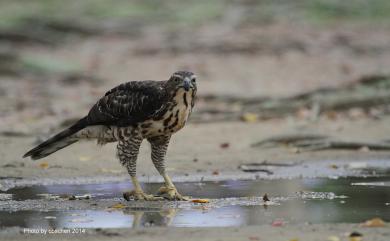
84, 158
374, 223
333, 238
44, 165
332, 115
277, 223
225, 145
250, 117
118, 206
254, 238
200, 201
333, 166
355, 236
215, 173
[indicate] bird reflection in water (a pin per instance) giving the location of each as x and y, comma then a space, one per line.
151, 217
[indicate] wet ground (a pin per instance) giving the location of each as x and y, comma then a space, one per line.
232, 203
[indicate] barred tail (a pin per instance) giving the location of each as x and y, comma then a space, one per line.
57, 142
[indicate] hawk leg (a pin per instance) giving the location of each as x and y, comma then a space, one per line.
138, 193
170, 190
159, 148
127, 153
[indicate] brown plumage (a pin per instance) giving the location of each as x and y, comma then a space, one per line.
129, 113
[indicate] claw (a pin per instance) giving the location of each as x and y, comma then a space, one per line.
139, 195
171, 193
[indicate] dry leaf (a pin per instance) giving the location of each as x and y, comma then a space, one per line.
355, 236
118, 206
374, 223
333, 238
250, 117
332, 115
44, 165
84, 158
333, 166
215, 173
225, 145
253, 238
200, 201
277, 223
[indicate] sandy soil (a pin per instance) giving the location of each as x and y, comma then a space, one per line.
196, 149
201, 142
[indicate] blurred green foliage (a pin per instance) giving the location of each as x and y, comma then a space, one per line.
195, 12
41, 64
352, 10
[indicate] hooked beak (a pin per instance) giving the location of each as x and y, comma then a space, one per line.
187, 84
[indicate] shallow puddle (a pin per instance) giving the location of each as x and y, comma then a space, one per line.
293, 201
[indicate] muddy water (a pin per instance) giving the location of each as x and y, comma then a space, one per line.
293, 201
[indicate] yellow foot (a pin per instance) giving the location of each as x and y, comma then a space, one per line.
140, 195
171, 193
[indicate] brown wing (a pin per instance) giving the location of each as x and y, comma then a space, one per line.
128, 104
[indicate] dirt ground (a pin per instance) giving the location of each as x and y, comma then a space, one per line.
196, 154
46, 86
197, 149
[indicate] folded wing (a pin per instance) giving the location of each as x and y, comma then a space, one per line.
128, 104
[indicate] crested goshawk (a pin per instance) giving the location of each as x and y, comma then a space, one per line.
129, 113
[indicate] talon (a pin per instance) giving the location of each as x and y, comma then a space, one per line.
139, 195
171, 193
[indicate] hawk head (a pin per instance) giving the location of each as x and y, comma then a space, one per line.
182, 79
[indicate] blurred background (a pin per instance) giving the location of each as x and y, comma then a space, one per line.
255, 60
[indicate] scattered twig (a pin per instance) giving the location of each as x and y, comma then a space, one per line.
364, 93
346, 145
319, 142
287, 139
